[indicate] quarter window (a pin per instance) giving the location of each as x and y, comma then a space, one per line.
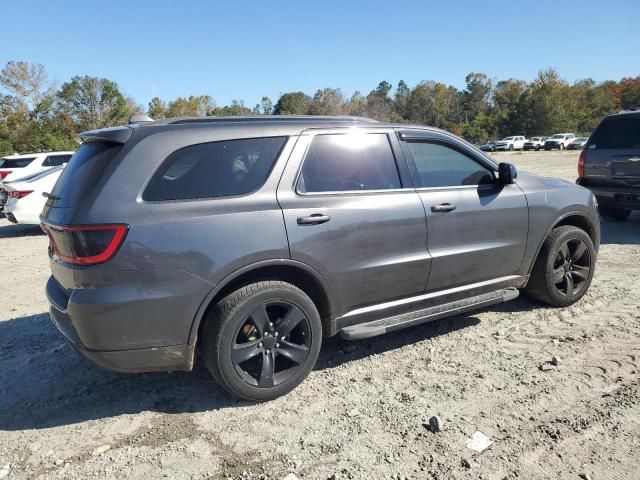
216, 169
56, 160
437, 165
348, 162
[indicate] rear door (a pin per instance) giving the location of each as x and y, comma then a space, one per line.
477, 229
352, 214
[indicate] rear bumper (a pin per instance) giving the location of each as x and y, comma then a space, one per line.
626, 198
149, 359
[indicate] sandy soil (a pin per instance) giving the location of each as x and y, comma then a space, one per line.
362, 412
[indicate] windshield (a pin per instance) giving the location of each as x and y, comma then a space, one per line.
16, 162
557, 136
508, 138
535, 139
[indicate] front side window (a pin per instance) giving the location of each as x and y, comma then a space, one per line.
437, 165
56, 160
216, 169
349, 162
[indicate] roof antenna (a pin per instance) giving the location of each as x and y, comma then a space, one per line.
139, 118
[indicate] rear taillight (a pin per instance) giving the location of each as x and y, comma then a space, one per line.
4, 173
581, 165
85, 245
19, 193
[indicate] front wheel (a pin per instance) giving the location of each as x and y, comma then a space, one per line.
561, 146
613, 214
564, 268
262, 340
511, 148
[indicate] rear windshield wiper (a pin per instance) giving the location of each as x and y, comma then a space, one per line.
50, 196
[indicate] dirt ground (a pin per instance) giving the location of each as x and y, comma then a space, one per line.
362, 412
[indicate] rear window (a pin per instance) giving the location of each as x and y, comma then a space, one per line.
216, 169
16, 162
83, 171
617, 133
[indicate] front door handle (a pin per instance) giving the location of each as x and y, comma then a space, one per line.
443, 207
315, 219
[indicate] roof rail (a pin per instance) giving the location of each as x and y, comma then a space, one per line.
267, 118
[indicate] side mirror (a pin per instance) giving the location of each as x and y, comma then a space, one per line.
507, 173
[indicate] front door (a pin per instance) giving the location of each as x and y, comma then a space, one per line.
349, 216
477, 228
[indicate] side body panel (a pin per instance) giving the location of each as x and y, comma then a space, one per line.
373, 248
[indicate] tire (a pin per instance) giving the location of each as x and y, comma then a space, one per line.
561, 146
537, 148
613, 214
559, 257
232, 319
511, 148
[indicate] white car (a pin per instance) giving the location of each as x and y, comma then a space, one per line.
511, 143
18, 166
559, 141
25, 198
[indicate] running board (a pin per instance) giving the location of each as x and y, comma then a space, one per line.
397, 322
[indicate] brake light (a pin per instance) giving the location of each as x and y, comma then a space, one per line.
19, 193
4, 173
581, 164
85, 245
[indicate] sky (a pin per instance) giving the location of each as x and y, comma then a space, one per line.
244, 49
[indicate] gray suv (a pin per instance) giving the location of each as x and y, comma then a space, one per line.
244, 241
609, 165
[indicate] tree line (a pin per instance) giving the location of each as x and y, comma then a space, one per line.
36, 114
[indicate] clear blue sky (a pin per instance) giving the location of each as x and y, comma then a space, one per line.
244, 50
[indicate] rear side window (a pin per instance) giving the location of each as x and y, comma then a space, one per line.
16, 162
437, 165
56, 160
83, 172
617, 133
216, 169
348, 162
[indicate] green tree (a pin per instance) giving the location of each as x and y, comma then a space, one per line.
94, 102
327, 101
157, 108
266, 106
293, 103
628, 92
237, 108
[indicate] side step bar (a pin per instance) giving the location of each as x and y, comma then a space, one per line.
409, 319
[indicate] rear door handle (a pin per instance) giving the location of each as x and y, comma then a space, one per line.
443, 207
315, 219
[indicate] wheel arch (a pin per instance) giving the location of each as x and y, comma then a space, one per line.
576, 218
299, 274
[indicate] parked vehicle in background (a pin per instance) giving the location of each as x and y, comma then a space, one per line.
3, 186
16, 166
609, 165
578, 143
534, 143
490, 146
249, 239
25, 197
559, 141
511, 143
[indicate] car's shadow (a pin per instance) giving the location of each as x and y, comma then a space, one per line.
44, 383
621, 233
10, 230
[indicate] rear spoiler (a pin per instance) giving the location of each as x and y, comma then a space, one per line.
115, 135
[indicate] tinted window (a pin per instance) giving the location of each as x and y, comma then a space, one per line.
83, 171
617, 133
439, 166
346, 162
217, 169
56, 160
16, 162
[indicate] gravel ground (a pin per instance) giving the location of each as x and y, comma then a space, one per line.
363, 411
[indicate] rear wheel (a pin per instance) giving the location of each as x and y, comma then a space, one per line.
564, 268
262, 340
613, 214
510, 148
